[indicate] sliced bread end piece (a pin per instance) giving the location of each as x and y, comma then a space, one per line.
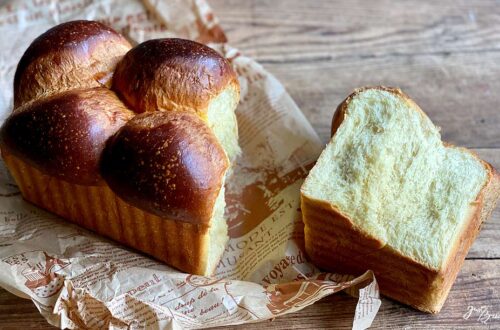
388, 195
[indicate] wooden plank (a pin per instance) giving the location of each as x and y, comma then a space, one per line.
17, 313
444, 54
478, 284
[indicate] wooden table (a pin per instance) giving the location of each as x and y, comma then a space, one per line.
444, 54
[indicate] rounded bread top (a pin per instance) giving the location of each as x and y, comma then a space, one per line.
65, 134
167, 163
76, 54
172, 74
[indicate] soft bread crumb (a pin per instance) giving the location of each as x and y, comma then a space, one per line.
217, 235
222, 120
387, 169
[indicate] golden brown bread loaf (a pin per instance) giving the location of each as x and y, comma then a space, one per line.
153, 181
387, 194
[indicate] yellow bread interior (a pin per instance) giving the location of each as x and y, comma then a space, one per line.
387, 170
222, 120
217, 234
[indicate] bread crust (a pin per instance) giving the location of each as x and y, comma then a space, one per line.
166, 163
347, 248
64, 135
182, 245
76, 54
172, 74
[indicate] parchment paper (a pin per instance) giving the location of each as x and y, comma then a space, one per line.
79, 280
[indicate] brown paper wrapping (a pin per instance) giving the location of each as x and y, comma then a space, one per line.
80, 280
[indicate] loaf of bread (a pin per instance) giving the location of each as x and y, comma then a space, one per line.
387, 194
132, 143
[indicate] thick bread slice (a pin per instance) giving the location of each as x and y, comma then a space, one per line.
386, 194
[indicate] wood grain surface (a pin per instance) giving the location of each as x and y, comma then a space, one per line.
444, 54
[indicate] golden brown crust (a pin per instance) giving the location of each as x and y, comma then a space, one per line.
182, 245
345, 249
172, 74
77, 54
334, 243
64, 135
166, 163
